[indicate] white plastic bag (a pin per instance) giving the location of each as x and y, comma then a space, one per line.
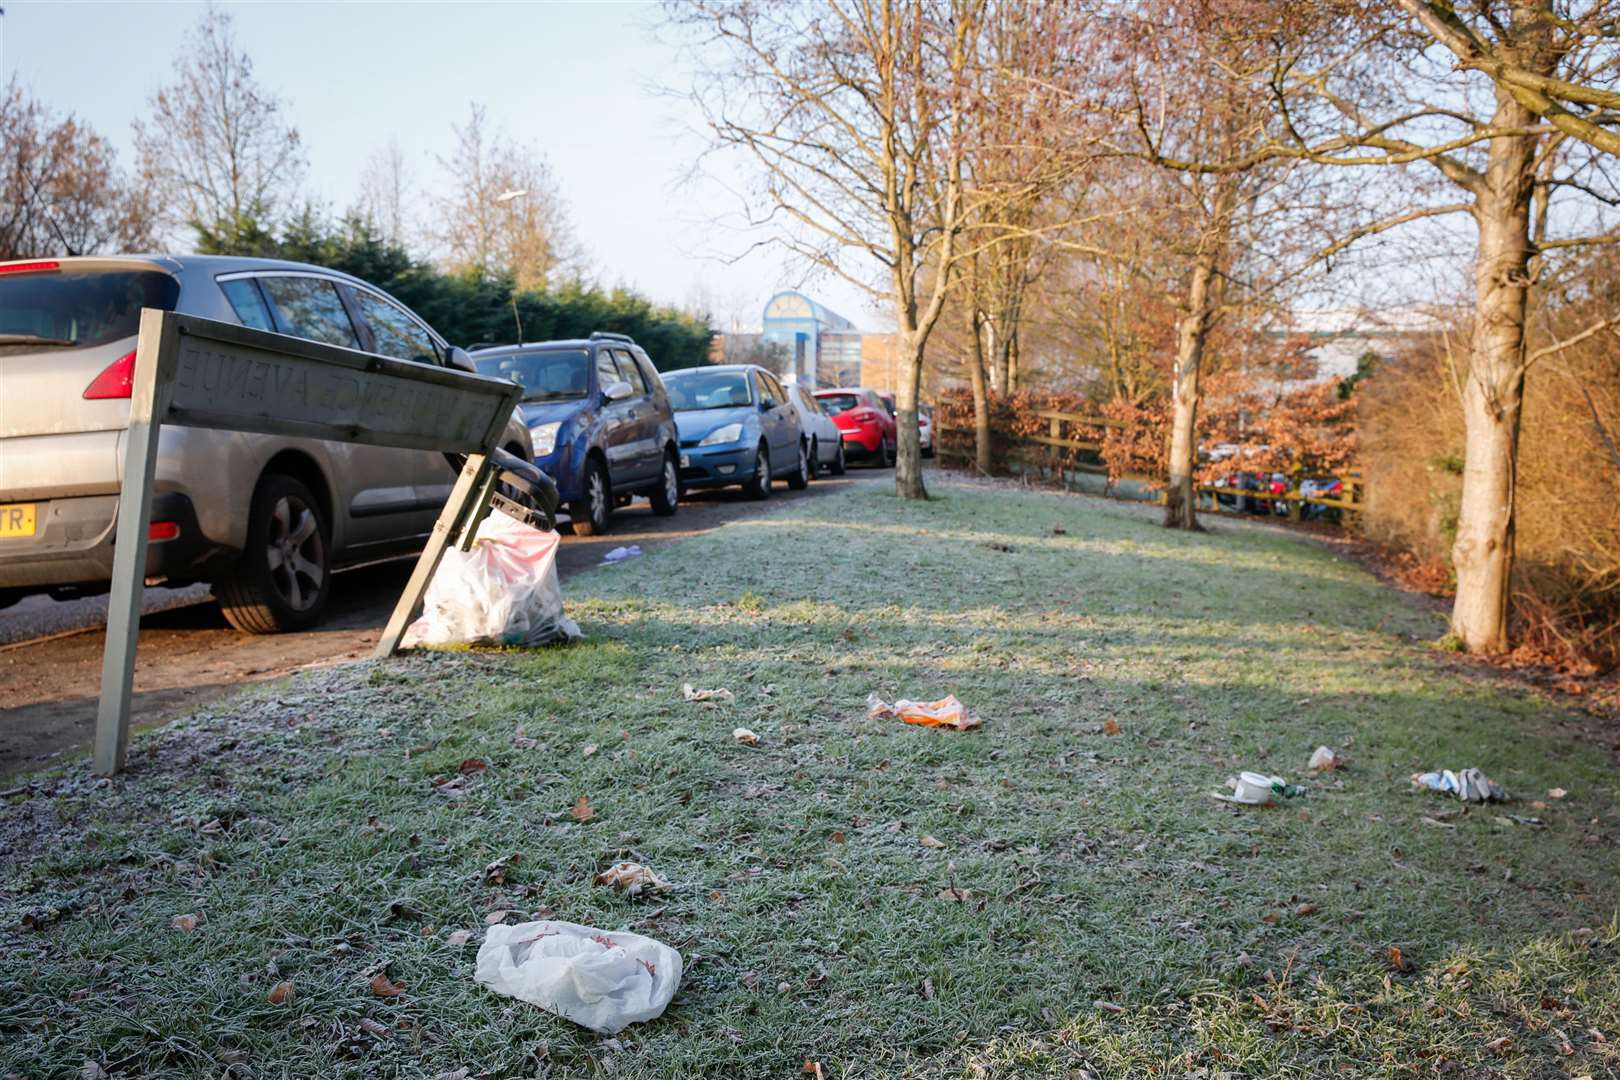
598, 979
502, 592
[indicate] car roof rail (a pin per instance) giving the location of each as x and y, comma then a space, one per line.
606, 335
485, 345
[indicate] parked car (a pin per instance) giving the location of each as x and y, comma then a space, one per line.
864, 421
264, 519
1324, 487
600, 420
925, 423
738, 426
826, 442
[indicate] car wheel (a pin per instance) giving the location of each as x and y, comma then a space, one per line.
815, 459
799, 478
838, 465
889, 454
282, 581
590, 513
760, 486
666, 497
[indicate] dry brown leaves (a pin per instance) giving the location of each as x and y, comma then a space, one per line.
581, 810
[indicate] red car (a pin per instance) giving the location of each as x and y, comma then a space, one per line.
864, 422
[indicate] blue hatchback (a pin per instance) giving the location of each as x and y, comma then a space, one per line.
600, 420
737, 426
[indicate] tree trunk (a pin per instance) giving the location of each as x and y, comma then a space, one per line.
908, 478
1483, 552
1012, 359
981, 397
1180, 501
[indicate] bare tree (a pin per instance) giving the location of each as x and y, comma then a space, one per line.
503, 214
855, 114
215, 149
385, 193
61, 191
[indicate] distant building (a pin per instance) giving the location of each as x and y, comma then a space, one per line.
1340, 337
823, 347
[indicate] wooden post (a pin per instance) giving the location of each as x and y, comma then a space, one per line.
155, 345
458, 510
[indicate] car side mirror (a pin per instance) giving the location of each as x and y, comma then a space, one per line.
457, 358
617, 390
766, 406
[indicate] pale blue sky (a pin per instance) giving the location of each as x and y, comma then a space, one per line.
578, 80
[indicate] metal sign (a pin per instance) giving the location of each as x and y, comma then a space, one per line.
197, 372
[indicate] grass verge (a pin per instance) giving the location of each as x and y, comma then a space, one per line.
1088, 907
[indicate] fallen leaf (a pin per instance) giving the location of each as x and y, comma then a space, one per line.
187, 922
959, 895
454, 1074
1305, 909
582, 809
691, 694
495, 872
590, 748
927, 989
1110, 727
497, 916
744, 736
717, 896
813, 1068
929, 842
384, 987
471, 766
1398, 962
1556, 793
631, 878
279, 993
1498, 1046
92, 1071
837, 837
374, 1029
1271, 918
459, 937
1108, 1006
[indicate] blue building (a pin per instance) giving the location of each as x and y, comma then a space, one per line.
824, 347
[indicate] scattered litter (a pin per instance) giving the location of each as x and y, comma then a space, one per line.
1258, 789
599, 980
631, 878
1469, 785
1324, 759
814, 1069
1520, 819
958, 895
619, 554
930, 842
692, 694
946, 712
280, 993
744, 736
1556, 793
187, 922
1399, 962
1437, 824
502, 592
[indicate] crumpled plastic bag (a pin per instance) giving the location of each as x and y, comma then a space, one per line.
598, 979
946, 712
502, 592
1469, 785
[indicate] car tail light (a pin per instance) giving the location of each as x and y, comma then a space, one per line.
864, 416
29, 267
117, 380
163, 530
1337, 488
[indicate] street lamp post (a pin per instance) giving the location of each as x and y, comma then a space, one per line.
506, 199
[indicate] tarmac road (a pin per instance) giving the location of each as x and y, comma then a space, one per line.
50, 653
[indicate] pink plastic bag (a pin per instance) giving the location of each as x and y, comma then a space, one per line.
502, 592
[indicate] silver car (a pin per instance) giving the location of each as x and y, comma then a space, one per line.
266, 520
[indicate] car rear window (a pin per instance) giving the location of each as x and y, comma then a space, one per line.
838, 403
85, 307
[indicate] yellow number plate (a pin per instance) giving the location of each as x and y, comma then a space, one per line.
17, 519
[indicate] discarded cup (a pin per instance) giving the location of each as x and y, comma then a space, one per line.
1324, 759
1258, 789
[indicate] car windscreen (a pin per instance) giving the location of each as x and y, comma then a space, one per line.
689, 390
838, 403
63, 308
552, 375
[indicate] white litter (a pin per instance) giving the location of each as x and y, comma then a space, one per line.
601, 980
502, 592
1324, 759
619, 554
745, 736
691, 693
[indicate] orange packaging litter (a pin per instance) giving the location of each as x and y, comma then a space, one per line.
946, 712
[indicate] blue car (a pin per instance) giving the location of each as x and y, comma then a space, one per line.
737, 426
600, 421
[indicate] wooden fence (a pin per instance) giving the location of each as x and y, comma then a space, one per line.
1061, 433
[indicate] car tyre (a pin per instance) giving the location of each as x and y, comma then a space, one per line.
590, 514
759, 486
799, 478
839, 466
815, 459
284, 577
666, 497
890, 452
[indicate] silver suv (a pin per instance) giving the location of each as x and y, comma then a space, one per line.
264, 519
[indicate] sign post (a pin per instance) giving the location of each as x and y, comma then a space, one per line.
197, 372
